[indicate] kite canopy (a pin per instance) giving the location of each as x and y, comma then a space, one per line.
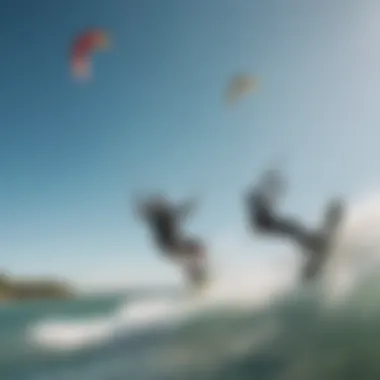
239, 86
82, 49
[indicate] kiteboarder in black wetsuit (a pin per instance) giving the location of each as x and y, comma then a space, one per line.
165, 221
264, 218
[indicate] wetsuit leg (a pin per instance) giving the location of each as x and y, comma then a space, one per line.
268, 222
320, 244
290, 228
194, 261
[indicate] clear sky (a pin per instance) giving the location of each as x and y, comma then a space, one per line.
72, 155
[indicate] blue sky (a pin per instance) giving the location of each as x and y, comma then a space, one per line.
152, 118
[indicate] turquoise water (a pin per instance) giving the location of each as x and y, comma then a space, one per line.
297, 337
17, 318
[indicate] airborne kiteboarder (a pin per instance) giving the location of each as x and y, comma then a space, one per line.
264, 218
165, 221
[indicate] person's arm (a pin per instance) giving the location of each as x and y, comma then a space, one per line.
140, 208
271, 186
186, 208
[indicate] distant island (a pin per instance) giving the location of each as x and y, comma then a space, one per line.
32, 289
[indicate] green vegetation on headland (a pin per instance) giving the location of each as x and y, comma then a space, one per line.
12, 289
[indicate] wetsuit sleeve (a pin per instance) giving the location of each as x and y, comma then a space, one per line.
271, 187
185, 209
141, 209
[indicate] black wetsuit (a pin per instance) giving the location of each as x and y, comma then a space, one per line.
316, 243
264, 219
165, 225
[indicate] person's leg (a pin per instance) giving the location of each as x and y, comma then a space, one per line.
265, 220
290, 228
193, 259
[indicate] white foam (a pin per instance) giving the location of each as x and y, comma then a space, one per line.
69, 334
130, 318
254, 288
140, 316
74, 334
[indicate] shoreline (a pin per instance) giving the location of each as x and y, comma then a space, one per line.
13, 290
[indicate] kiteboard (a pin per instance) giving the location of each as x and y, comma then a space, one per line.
195, 270
327, 237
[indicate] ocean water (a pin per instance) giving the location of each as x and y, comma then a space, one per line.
258, 325
271, 330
